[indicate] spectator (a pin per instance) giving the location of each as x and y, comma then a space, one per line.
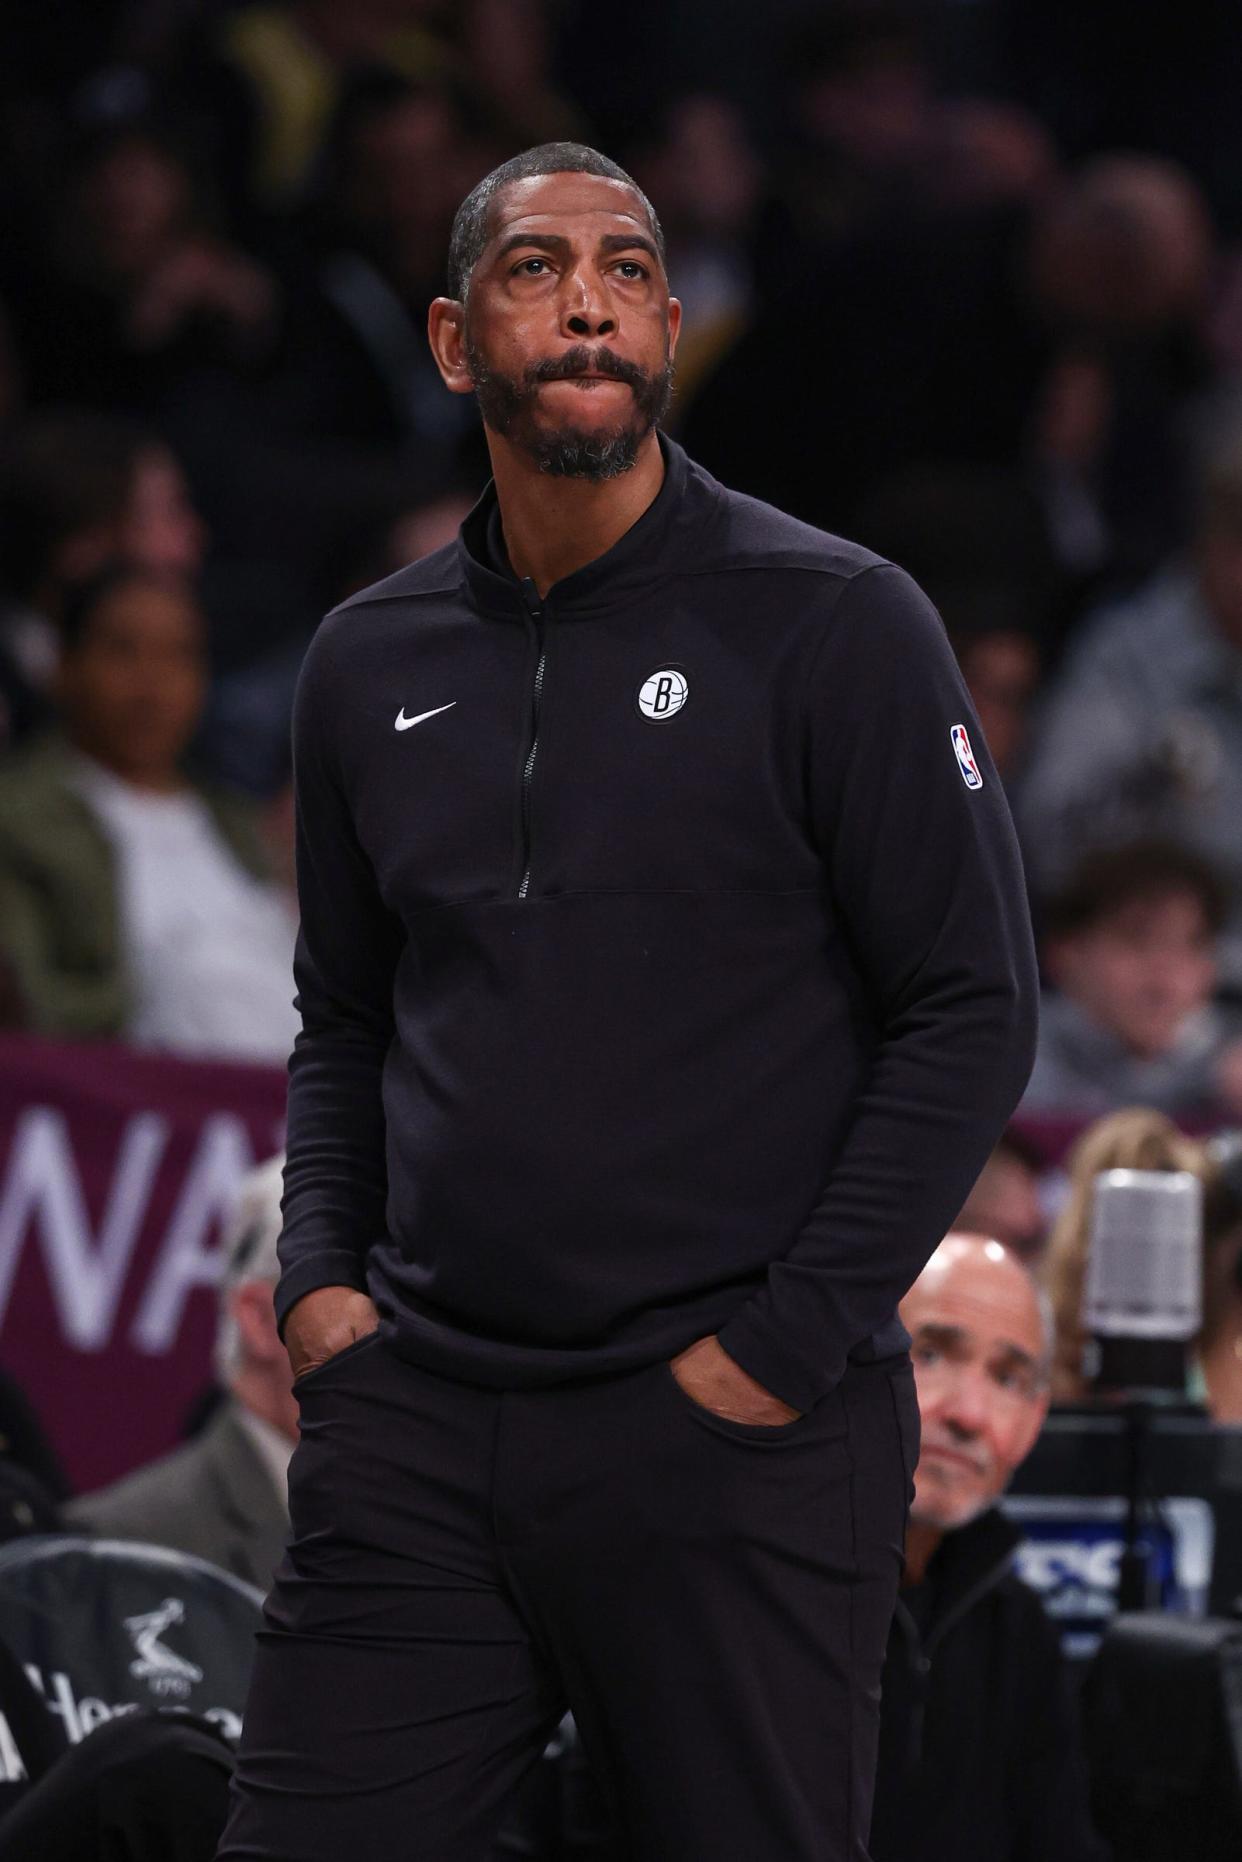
79, 490
1005, 1202
1218, 1357
504, 52
999, 655
271, 76
132, 901
223, 1496
706, 176
979, 1751
1130, 945
1143, 733
411, 534
1118, 266
978, 542
1134, 1139
357, 367
137, 289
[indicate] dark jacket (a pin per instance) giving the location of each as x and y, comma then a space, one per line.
980, 1752
213, 1497
662, 969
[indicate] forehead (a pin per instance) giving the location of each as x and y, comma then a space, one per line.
569, 204
990, 1300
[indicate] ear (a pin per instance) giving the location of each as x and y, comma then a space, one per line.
674, 324
1034, 1423
255, 1317
446, 332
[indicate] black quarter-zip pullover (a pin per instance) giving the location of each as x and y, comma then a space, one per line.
665, 965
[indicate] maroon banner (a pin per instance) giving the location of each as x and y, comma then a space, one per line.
117, 1170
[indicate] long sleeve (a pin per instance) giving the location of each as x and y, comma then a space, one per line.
924, 874
348, 945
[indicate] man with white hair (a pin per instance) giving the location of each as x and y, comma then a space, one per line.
980, 1759
223, 1496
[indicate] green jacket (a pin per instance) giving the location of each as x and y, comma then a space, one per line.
60, 929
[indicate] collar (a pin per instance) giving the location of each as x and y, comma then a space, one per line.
965, 1566
271, 1449
650, 549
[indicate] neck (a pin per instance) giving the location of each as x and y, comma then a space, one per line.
554, 526
922, 1539
263, 1398
148, 781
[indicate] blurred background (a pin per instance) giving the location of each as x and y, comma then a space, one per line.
962, 279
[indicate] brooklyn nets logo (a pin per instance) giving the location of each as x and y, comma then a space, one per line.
664, 693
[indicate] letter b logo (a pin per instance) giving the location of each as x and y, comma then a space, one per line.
663, 694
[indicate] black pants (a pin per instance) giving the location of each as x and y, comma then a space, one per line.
710, 1598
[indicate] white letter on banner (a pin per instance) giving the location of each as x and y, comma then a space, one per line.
207, 1199
43, 1192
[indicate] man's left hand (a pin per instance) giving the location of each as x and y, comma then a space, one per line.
714, 1380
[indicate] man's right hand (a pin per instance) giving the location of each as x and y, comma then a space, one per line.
323, 1323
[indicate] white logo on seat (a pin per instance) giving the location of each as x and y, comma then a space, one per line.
405, 724
162, 1670
663, 694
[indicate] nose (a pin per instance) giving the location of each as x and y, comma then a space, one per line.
585, 307
965, 1409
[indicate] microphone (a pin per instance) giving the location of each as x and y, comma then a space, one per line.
1144, 1301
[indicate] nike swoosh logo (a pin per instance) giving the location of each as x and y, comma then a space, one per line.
405, 724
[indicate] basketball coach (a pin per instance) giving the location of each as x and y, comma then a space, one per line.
666, 977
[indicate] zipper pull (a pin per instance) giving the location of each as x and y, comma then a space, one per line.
530, 595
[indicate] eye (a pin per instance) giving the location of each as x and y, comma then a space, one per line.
524, 267
632, 271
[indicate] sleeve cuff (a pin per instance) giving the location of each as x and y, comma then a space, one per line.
771, 1362
330, 1268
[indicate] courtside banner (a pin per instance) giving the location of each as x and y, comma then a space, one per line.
117, 1170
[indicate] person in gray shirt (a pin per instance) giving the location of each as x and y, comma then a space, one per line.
1130, 945
223, 1496
1142, 734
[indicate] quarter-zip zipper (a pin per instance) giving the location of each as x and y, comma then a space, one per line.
535, 609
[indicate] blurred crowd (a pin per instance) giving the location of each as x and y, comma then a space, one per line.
946, 292
950, 288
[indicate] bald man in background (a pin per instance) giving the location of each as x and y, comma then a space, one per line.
980, 1753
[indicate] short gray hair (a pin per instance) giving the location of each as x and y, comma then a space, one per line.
249, 1251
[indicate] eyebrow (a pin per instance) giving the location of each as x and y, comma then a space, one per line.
558, 244
950, 1337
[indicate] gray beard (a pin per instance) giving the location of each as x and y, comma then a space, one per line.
571, 454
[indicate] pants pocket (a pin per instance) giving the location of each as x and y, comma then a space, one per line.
338, 1358
906, 1415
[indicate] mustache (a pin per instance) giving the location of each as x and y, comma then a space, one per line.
583, 361
979, 1460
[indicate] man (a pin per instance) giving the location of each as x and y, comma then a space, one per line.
665, 978
979, 1752
1131, 946
223, 1496
135, 902
1143, 732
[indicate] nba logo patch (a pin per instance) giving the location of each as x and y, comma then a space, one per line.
965, 757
